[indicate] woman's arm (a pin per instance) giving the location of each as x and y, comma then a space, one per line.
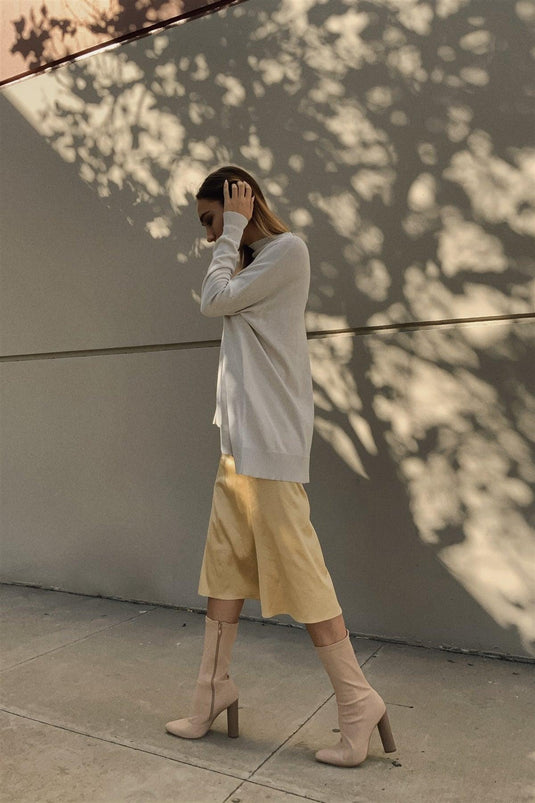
224, 294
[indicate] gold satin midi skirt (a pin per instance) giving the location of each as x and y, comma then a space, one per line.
261, 545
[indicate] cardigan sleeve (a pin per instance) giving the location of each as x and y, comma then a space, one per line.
224, 294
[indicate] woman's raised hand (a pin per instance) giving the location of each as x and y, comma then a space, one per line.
240, 199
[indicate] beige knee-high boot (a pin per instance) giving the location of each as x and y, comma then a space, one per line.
215, 690
360, 707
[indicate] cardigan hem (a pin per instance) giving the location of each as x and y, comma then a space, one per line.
272, 465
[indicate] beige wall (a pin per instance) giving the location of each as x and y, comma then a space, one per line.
36, 34
397, 145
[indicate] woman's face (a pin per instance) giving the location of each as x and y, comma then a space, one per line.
211, 215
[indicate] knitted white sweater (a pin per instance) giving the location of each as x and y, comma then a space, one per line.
265, 405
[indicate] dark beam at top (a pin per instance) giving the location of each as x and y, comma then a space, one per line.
37, 35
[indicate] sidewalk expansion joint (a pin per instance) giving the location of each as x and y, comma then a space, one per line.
118, 743
177, 760
230, 796
74, 641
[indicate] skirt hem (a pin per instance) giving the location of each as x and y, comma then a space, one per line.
275, 612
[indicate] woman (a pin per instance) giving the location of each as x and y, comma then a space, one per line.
260, 542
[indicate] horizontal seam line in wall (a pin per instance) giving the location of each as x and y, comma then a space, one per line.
196, 344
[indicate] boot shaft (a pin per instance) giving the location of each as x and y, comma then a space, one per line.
342, 666
219, 638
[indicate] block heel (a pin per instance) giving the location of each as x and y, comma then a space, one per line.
232, 720
385, 732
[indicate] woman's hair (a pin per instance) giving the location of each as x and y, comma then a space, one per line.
266, 220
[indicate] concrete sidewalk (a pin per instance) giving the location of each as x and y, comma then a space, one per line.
87, 685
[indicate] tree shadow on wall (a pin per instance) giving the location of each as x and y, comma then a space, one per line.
397, 142
42, 38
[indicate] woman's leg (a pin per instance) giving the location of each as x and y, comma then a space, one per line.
224, 610
327, 631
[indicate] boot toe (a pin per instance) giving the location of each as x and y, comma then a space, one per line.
325, 756
332, 756
341, 755
183, 728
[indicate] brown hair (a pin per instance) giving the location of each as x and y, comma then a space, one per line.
266, 220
